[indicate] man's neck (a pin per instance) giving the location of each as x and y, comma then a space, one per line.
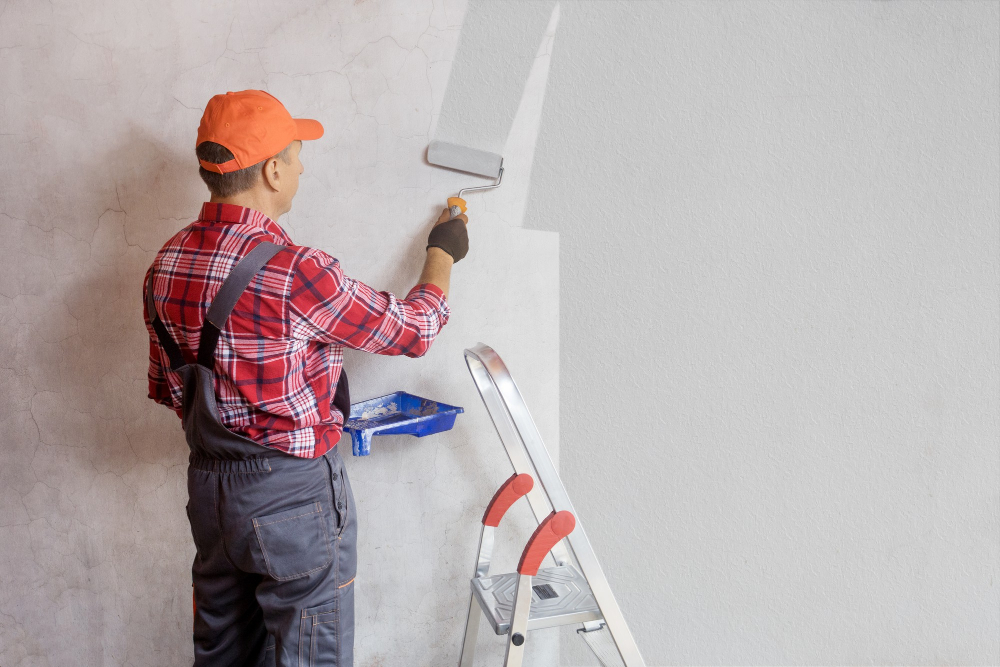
248, 200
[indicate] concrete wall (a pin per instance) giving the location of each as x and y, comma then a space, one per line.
771, 311
97, 127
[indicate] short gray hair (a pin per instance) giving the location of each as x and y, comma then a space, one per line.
235, 182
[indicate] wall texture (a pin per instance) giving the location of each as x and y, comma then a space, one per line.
780, 307
775, 334
98, 120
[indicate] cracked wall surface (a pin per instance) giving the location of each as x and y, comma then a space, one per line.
98, 120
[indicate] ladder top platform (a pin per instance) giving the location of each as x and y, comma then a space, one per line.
559, 596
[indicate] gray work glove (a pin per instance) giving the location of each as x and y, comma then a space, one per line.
451, 236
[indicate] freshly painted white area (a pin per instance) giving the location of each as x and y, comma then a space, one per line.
500, 214
494, 57
101, 106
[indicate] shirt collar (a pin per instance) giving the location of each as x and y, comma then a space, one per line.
215, 212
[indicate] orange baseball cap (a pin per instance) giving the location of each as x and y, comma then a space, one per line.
253, 125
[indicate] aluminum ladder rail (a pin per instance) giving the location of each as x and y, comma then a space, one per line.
527, 453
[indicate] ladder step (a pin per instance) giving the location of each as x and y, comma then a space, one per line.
559, 596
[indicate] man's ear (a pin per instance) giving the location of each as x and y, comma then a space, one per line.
270, 174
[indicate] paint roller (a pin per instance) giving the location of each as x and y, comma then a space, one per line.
469, 161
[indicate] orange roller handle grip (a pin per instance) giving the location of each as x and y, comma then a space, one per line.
553, 528
508, 493
457, 201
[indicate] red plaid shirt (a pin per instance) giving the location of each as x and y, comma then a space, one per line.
279, 356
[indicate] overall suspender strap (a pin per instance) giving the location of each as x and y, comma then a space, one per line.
225, 300
168, 344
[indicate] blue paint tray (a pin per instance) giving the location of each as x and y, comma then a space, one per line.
394, 414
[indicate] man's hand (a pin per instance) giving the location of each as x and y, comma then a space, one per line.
448, 236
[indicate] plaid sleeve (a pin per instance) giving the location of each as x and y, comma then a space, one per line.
327, 305
159, 390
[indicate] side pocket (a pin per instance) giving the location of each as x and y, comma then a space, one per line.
319, 635
294, 542
194, 538
338, 494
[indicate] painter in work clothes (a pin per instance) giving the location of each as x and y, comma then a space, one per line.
247, 332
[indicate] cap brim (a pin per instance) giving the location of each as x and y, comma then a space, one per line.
307, 129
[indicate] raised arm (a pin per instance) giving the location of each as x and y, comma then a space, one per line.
330, 306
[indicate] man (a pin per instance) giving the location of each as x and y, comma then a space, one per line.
247, 332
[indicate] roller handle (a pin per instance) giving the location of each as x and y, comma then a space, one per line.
456, 206
553, 528
515, 487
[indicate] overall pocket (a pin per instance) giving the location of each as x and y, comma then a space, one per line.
338, 494
187, 510
294, 542
319, 636
194, 532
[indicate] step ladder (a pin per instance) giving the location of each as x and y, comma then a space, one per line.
575, 591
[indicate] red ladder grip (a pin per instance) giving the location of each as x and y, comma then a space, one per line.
553, 528
515, 487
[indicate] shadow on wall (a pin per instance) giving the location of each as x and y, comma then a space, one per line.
107, 470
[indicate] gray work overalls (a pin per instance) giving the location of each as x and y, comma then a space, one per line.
276, 534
